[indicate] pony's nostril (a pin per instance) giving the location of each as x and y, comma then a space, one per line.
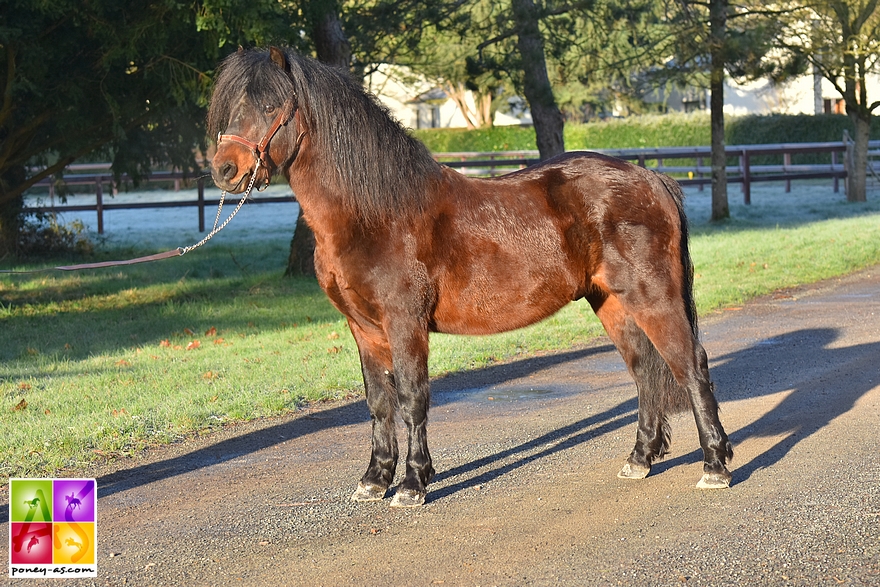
228, 170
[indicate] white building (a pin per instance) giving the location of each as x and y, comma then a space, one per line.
419, 104
808, 94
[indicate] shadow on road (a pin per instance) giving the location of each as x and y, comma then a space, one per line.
823, 383
343, 415
559, 440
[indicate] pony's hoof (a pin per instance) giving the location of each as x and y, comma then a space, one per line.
714, 481
368, 493
407, 498
631, 471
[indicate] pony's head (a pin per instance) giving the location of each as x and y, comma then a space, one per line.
357, 156
253, 104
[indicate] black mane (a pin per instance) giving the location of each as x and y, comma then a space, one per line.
367, 159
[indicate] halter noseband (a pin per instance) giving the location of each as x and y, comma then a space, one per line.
261, 149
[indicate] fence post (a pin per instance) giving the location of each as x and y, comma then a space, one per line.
848, 162
201, 205
747, 178
700, 173
99, 203
786, 163
836, 178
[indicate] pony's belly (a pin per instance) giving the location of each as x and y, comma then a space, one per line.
499, 313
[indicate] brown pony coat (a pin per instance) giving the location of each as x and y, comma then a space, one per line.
405, 246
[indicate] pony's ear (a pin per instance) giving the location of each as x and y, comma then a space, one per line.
279, 58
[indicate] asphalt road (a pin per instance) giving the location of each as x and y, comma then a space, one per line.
526, 492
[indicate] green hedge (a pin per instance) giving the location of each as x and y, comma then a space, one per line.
670, 130
790, 128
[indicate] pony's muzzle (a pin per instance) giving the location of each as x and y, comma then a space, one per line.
228, 171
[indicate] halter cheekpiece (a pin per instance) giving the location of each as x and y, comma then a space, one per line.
261, 149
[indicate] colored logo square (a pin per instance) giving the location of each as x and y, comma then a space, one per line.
31, 543
53, 528
74, 500
30, 500
74, 543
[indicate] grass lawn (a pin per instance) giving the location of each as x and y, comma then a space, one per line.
105, 363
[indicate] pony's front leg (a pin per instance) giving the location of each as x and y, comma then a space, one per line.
413, 393
379, 385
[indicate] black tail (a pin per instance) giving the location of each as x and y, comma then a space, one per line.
668, 396
687, 266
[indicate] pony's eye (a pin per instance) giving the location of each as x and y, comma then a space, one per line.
269, 109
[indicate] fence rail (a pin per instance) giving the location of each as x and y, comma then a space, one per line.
694, 170
691, 169
98, 180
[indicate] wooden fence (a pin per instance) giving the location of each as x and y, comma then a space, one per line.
175, 179
687, 164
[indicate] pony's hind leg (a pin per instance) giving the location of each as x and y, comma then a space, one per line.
673, 337
659, 394
381, 400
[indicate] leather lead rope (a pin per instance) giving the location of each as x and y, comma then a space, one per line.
158, 256
261, 154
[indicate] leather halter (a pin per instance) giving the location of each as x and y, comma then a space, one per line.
261, 149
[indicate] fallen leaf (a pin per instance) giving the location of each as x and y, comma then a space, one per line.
193, 345
47, 412
209, 375
122, 363
218, 341
189, 332
24, 386
165, 343
211, 331
333, 335
334, 350
214, 399
20, 406
177, 347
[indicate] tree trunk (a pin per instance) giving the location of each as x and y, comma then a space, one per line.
717, 26
332, 47
458, 93
301, 260
856, 180
11, 214
546, 116
10, 228
331, 44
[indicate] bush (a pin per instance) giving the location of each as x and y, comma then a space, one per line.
790, 128
657, 130
42, 235
499, 138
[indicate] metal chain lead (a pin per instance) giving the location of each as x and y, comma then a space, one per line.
216, 229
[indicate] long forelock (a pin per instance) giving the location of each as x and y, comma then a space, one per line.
367, 160
247, 73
